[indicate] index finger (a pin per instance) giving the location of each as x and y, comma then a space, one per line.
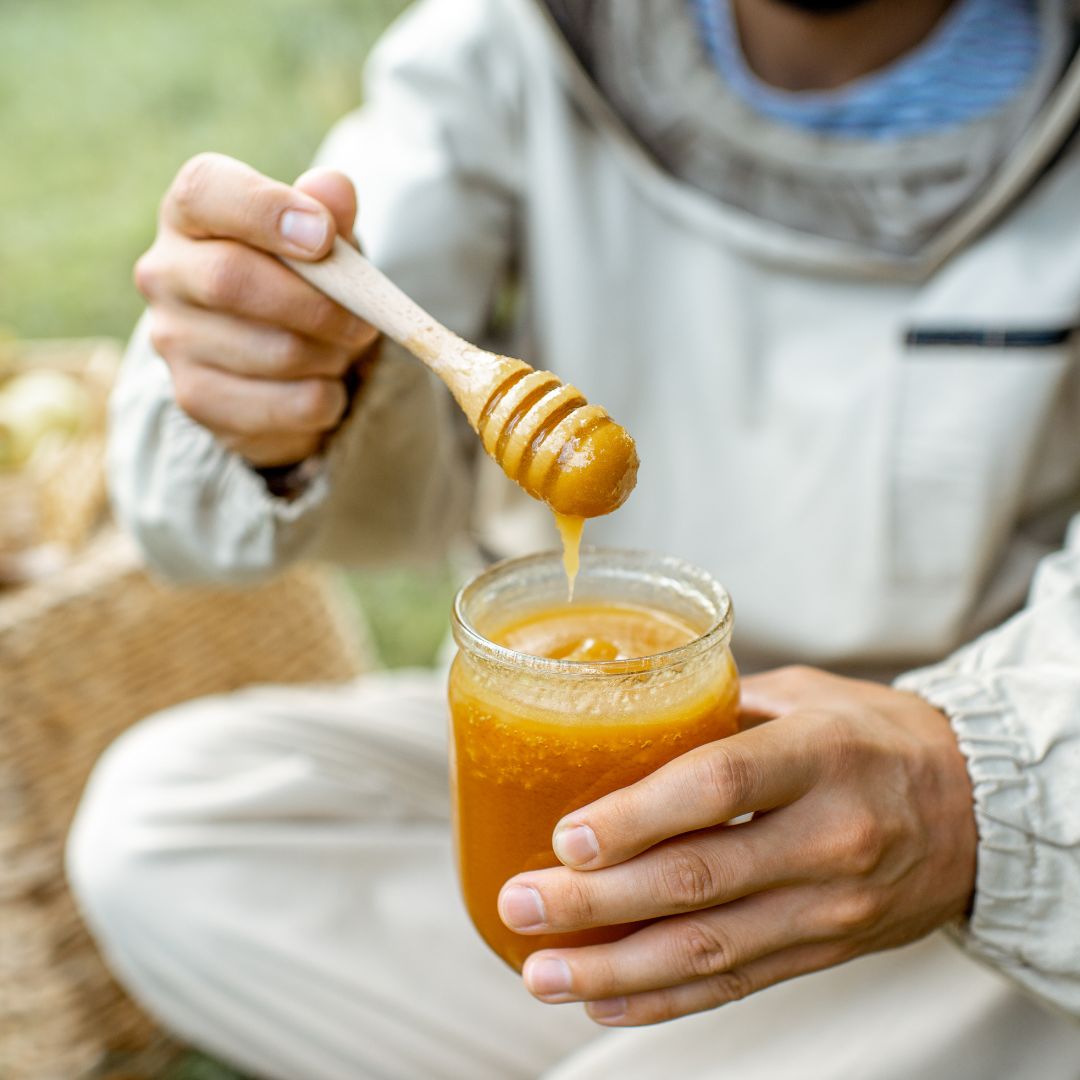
214, 196
759, 769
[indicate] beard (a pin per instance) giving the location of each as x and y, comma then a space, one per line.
824, 7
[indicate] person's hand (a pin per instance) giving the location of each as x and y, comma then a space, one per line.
863, 839
257, 355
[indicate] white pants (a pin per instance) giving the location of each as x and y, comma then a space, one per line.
270, 874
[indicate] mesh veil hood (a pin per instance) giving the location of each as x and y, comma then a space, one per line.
892, 198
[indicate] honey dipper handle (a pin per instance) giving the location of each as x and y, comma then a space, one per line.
471, 374
350, 279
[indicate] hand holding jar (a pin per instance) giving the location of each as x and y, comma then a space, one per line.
553, 705
863, 838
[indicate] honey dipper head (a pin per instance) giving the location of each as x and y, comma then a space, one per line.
595, 472
557, 446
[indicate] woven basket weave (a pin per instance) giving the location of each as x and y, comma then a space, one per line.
82, 656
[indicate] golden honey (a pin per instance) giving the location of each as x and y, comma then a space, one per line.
570, 702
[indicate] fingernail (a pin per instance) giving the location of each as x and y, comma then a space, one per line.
575, 845
547, 975
304, 229
521, 908
609, 1009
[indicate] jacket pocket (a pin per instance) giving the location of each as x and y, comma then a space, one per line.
971, 405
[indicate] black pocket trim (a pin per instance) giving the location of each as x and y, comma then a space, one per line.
989, 339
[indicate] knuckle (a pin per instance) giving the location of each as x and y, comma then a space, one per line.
797, 675
148, 274
862, 843
621, 817
796, 672
832, 735
729, 986
226, 276
361, 335
189, 187
289, 354
728, 777
858, 911
596, 977
318, 402
703, 950
656, 1007
164, 334
687, 878
266, 202
327, 321
578, 905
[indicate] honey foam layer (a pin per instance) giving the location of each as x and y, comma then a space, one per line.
595, 632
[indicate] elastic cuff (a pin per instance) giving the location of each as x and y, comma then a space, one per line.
289, 496
996, 753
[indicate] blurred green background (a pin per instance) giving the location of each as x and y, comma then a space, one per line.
102, 100
100, 103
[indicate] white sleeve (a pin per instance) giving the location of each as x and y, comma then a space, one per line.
433, 154
1013, 698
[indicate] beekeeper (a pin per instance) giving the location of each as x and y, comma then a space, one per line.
822, 259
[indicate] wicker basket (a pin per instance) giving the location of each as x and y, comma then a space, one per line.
82, 656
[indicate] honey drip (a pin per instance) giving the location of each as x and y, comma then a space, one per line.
570, 529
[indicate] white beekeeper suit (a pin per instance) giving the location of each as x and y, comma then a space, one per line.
851, 371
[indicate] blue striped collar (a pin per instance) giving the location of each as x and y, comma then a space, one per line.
976, 61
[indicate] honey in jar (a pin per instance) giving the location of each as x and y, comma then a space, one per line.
554, 705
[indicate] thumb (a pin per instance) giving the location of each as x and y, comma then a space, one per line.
773, 693
336, 192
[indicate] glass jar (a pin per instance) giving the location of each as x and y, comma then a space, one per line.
533, 739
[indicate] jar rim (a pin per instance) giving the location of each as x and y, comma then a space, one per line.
717, 634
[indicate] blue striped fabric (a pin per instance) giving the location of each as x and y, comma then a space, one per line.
975, 61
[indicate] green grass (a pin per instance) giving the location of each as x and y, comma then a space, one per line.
198, 1067
407, 610
102, 100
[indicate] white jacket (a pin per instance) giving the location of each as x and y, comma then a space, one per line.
873, 451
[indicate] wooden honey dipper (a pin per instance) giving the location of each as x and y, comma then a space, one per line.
543, 433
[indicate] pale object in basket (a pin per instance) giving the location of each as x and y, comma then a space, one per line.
58, 497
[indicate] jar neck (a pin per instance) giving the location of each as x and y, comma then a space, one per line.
614, 576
